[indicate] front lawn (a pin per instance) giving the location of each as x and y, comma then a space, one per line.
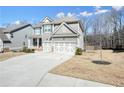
87, 66
7, 55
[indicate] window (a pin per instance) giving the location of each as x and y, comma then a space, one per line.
12, 36
47, 28
25, 36
37, 31
23, 43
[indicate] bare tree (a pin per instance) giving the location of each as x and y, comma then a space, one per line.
86, 24
107, 30
117, 18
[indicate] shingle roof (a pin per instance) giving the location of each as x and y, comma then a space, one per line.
66, 19
58, 21
37, 25
2, 35
13, 28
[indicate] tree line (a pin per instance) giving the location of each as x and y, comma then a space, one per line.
107, 30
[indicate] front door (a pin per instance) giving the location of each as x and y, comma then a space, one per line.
35, 42
40, 42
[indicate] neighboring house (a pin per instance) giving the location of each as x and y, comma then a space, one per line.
3, 39
62, 35
18, 35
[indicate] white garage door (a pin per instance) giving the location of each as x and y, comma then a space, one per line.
64, 47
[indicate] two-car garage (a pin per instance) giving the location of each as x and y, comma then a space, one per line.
60, 47
64, 47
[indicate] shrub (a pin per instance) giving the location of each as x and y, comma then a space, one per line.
6, 50
27, 50
32, 50
24, 49
78, 51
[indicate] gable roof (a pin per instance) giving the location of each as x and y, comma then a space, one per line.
43, 22
3, 37
58, 21
69, 27
14, 28
47, 18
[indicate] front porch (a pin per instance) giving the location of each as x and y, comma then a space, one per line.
35, 43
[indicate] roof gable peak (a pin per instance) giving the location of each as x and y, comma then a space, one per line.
65, 24
47, 19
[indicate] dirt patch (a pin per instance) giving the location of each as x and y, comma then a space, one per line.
83, 67
7, 55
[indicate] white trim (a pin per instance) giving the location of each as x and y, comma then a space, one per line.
29, 43
66, 41
37, 42
1, 45
46, 41
53, 27
46, 19
57, 41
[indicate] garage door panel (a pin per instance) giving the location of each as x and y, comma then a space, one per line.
60, 47
65, 47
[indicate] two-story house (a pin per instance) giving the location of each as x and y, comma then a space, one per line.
18, 36
3, 39
61, 35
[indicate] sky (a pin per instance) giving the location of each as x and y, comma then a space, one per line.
34, 14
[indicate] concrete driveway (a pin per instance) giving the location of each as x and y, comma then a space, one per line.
32, 70
28, 70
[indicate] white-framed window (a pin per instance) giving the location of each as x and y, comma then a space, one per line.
47, 28
37, 31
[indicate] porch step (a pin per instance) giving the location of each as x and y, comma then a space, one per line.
38, 49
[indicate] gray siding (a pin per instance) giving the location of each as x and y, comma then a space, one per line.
19, 37
46, 36
56, 26
64, 30
74, 26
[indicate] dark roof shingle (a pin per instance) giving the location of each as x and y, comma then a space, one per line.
13, 28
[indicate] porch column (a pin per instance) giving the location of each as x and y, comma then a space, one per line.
37, 42
29, 43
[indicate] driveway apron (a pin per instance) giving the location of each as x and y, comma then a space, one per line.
28, 70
